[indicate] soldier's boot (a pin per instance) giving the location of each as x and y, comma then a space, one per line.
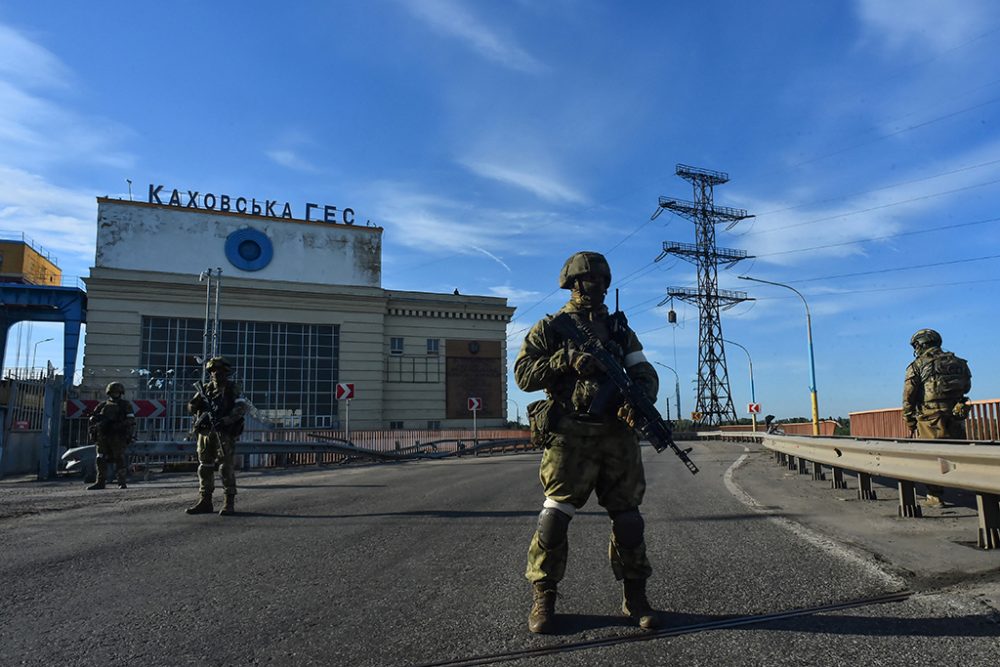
635, 604
203, 506
102, 476
230, 506
121, 480
542, 618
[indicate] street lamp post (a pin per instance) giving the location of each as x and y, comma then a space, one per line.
677, 388
35, 351
753, 397
812, 359
517, 411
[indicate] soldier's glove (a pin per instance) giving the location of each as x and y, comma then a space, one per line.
961, 410
627, 414
585, 364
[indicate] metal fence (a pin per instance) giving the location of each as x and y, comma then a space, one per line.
983, 422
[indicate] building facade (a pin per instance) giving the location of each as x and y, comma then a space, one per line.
296, 304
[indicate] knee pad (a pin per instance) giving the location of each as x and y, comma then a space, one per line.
628, 528
552, 528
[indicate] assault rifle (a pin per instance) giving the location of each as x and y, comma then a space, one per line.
648, 420
207, 420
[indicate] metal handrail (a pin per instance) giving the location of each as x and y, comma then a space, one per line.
956, 464
972, 466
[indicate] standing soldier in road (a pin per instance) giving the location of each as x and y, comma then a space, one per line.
585, 450
218, 410
112, 428
935, 403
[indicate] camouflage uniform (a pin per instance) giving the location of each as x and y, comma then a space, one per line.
217, 442
934, 394
584, 452
112, 427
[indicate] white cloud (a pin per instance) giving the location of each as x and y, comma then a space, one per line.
439, 225
36, 131
27, 63
543, 185
843, 224
513, 293
924, 24
60, 219
452, 19
290, 159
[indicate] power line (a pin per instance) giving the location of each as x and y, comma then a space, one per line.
881, 238
859, 291
884, 187
876, 208
896, 133
901, 268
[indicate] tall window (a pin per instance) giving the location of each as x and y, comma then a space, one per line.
433, 346
288, 371
395, 346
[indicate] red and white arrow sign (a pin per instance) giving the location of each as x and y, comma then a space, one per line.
475, 404
143, 408
345, 391
753, 408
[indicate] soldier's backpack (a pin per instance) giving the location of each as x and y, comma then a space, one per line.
948, 378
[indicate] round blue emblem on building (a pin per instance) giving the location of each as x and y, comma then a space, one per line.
249, 249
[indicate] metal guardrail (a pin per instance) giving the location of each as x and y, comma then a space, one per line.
954, 464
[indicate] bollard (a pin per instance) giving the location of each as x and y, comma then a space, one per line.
988, 505
908, 507
838, 479
865, 490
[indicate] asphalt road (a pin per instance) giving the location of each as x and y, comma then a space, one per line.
417, 563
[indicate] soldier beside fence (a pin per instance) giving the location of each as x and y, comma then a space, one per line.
935, 404
218, 410
112, 428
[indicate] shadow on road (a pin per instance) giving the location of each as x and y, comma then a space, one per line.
439, 514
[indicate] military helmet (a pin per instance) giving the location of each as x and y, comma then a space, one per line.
115, 386
926, 338
585, 265
218, 362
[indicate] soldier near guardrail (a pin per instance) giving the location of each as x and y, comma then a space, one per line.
111, 429
218, 409
935, 401
589, 443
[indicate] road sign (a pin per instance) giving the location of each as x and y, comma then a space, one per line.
696, 416
475, 404
753, 408
345, 391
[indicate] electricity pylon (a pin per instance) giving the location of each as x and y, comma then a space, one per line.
715, 402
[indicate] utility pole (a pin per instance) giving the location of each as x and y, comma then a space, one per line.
715, 402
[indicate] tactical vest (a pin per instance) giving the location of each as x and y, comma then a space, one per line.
110, 419
946, 377
578, 394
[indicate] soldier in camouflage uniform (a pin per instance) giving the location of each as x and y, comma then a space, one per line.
584, 451
217, 431
934, 395
112, 428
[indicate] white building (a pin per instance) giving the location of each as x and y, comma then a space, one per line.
301, 310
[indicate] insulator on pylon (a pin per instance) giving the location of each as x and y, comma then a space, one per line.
672, 316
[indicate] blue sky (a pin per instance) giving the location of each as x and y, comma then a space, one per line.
493, 139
